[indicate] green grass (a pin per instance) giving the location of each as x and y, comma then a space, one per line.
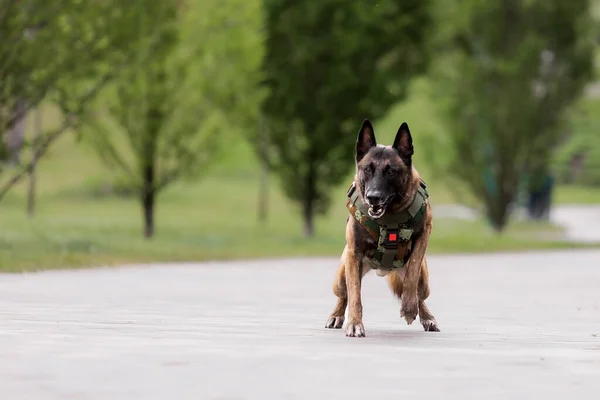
193, 224
573, 194
78, 224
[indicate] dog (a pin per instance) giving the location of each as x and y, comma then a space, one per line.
388, 230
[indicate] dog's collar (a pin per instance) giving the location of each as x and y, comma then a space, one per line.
391, 229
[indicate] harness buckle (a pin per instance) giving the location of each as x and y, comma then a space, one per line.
392, 237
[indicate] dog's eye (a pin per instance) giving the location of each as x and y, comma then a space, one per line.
391, 172
368, 169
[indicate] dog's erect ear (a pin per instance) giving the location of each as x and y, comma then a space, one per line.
403, 143
365, 140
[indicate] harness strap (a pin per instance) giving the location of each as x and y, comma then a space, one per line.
358, 212
390, 230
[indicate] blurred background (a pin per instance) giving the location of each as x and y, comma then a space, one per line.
186, 130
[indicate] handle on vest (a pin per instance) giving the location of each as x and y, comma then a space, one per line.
351, 190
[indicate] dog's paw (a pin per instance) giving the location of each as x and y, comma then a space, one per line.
409, 309
429, 325
355, 330
335, 322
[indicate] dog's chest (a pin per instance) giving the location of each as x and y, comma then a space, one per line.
370, 250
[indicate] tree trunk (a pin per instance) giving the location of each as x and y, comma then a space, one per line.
148, 198
263, 193
263, 187
498, 219
308, 218
37, 128
498, 209
16, 133
309, 201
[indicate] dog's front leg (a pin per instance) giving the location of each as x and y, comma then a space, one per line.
354, 274
410, 300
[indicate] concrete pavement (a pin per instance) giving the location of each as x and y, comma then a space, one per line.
514, 326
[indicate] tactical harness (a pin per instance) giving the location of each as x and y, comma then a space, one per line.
391, 229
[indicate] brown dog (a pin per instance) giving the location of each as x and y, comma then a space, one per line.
388, 230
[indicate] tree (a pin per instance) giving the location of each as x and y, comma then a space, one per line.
507, 72
168, 114
328, 65
62, 52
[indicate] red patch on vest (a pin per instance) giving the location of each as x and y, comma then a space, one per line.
392, 237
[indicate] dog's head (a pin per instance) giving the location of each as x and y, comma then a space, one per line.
383, 172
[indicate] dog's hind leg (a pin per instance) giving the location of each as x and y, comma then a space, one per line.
425, 316
336, 320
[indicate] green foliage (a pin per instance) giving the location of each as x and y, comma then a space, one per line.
329, 64
46, 44
507, 72
170, 111
577, 159
61, 51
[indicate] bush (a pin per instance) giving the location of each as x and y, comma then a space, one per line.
102, 187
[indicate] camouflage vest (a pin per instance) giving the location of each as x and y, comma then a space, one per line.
391, 229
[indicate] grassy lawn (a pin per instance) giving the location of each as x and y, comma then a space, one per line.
573, 194
212, 221
78, 222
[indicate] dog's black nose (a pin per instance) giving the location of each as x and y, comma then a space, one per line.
374, 198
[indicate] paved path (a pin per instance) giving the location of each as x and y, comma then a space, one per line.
580, 221
513, 327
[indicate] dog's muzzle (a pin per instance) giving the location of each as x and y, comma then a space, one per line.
377, 210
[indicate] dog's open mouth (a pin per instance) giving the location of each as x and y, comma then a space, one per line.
377, 211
